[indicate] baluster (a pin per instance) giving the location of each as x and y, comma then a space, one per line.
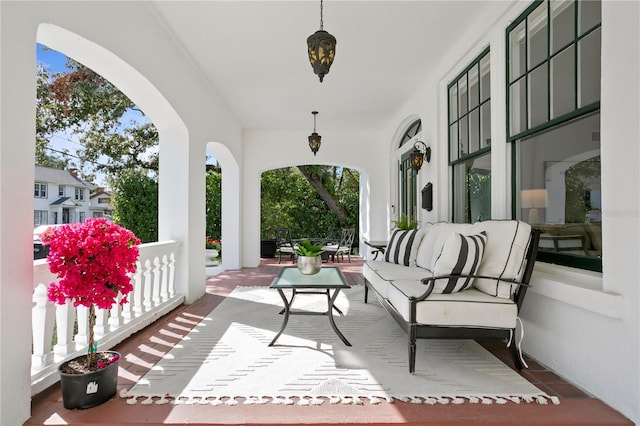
155, 294
65, 320
147, 285
42, 315
116, 320
127, 308
82, 337
172, 275
164, 293
101, 326
138, 291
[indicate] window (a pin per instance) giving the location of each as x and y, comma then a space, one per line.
79, 194
103, 200
412, 131
60, 190
40, 190
40, 217
470, 141
81, 216
553, 102
408, 186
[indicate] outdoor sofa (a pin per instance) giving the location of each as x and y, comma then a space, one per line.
452, 280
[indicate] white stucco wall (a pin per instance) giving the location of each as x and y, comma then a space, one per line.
144, 63
364, 151
588, 335
583, 325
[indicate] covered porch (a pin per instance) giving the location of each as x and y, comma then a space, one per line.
145, 348
581, 324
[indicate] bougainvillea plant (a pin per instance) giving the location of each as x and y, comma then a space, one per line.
214, 244
92, 261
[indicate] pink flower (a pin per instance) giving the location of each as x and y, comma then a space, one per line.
92, 261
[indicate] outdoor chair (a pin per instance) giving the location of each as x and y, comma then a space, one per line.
284, 244
342, 247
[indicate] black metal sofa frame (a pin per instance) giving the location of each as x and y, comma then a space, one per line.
421, 331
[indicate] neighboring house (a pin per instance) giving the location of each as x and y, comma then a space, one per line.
100, 203
60, 196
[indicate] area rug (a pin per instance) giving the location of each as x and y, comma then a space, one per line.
226, 359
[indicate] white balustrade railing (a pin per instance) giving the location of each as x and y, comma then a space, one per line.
154, 294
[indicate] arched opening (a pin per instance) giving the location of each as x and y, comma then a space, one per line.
314, 202
225, 208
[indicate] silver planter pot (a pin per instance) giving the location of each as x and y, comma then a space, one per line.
309, 265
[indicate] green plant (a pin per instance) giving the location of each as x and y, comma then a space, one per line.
405, 222
307, 249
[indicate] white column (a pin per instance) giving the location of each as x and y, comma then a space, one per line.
17, 152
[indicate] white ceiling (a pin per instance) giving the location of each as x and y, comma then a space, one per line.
254, 54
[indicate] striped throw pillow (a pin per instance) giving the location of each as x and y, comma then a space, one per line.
403, 247
460, 255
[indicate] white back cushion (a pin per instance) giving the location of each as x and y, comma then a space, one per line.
435, 235
504, 255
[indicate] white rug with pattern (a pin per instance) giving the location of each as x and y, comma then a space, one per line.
226, 359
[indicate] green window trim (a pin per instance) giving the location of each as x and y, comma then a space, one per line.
579, 34
468, 119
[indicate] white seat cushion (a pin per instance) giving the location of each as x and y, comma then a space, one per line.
468, 308
380, 273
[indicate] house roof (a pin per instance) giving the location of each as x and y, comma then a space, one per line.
59, 177
65, 201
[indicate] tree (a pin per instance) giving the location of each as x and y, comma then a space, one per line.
84, 104
290, 200
213, 208
135, 198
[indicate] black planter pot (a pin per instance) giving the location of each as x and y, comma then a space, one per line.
268, 248
90, 389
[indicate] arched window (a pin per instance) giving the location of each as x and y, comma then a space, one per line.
407, 182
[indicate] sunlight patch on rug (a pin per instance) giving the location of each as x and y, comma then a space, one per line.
226, 359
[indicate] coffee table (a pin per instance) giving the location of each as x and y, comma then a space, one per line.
329, 278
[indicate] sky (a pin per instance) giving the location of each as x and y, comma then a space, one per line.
62, 141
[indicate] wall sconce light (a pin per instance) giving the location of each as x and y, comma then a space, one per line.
321, 47
420, 153
314, 138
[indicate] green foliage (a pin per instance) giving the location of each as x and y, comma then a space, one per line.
579, 180
405, 222
136, 205
288, 200
306, 248
213, 207
84, 104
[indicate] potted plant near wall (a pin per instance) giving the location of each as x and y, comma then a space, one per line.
309, 257
213, 249
92, 261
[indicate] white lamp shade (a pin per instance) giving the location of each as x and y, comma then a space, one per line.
534, 198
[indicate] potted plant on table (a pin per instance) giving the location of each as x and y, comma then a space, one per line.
92, 261
309, 259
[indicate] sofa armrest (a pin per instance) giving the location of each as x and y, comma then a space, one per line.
430, 282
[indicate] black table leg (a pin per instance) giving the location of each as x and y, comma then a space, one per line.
333, 324
285, 320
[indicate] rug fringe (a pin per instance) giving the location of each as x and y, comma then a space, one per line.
310, 400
